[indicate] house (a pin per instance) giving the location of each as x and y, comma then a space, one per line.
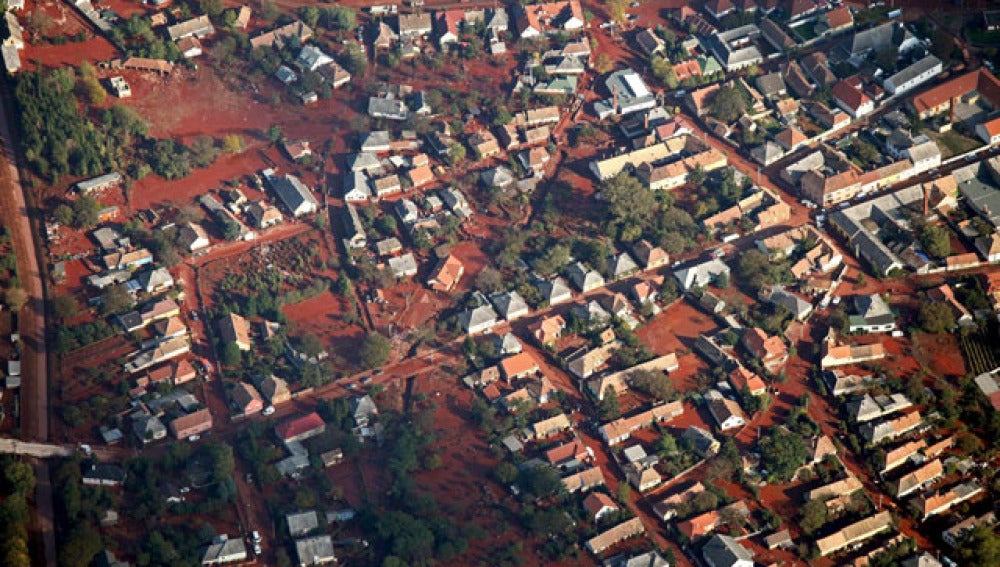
554, 291
771, 351
286, 75
878, 38
944, 293
414, 25
548, 329
294, 194
954, 535
629, 94
246, 399
386, 36
873, 315
159, 310
403, 266
518, 366
317, 550
614, 432
641, 477
148, 428
354, 231
700, 275
583, 278
791, 139
625, 530
850, 97
128, 260
703, 524
103, 475
978, 85
798, 307
280, 36
569, 455
420, 175
446, 274
989, 386
224, 550
875, 432
388, 108
156, 280
735, 48
701, 441
301, 523
724, 551
549, 427
547, 18
584, 481
234, 328
588, 362
199, 27
913, 76
193, 237
902, 454
726, 413
919, 478
744, 380
275, 390
649, 42
719, 8
534, 159
363, 410
598, 505
300, 428
194, 423
477, 319
483, 144
940, 501
510, 305
855, 533
866, 408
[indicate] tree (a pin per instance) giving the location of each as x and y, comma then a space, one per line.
63, 214
782, 452
375, 350
604, 64
92, 91
728, 105
654, 383
980, 546
666, 445
15, 298
204, 151
812, 516
456, 152
489, 280
505, 473
233, 144
274, 134
616, 10
85, 211
935, 240
80, 547
310, 15
663, 71
65, 307
936, 316
608, 407
628, 201
231, 355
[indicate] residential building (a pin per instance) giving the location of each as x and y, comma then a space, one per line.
478, 319
300, 428
294, 194
549, 427
724, 551
194, 423
855, 533
275, 390
199, 27
316, 550
446, 274
301, 523
979, 85
621, 532
281, 35
246, 399
224, 550
771, 351
913, 76
629, 94
872, 315
919, 478
510, 305
584, 481
726, 413
599, 505
554, 291
548, 17
548, 329
953, 536
735, 48
839, 355
875, 432
234, 328
851, 97
700, 275
940, 501
619, 430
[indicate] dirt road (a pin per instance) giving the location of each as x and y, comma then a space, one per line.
35, 424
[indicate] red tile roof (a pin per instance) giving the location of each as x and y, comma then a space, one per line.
839, 17
980, 80
299, 425
850, 95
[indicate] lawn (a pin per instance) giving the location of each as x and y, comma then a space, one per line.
952, 143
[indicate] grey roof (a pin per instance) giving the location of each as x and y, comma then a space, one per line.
286, 74
632, 90
767, 153
554, 289
294, 194
375, 141
456, 201
363, 161
700, 438
701, 274
148, 427
649, 42
393, 109
925, 150
101, 181
591, 312
509, 304
388, 246
301, 523
622, 265
507, 344
153, 279
352, 222
863, 408
315, 550
648, 559
357, 185
771, 84
499, 176
363, 408
774, 35
723, 45
312, 58
584, 277
497, 19
915, 70
723, 551
402, 266
921, 560
874, 309
225, 551
879, 38
406, 210
797, 306
478, 317
983, 197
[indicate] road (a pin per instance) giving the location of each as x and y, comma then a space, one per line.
34, 367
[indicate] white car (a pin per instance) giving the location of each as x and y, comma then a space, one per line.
255, 535
194, 438
268, 410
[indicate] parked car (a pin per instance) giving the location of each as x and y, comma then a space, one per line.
268, 410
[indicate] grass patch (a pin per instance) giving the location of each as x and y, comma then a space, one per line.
952, 143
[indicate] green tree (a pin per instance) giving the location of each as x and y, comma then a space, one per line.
79, 547
375, 350
654, 383
116, 299
980, 546
309, 15
233, 144
15, 298
782, 452
231, 355
628, 201
85, 211
65, 307
274, 134
505, 473
212, 8
935, 240
608, 407
812, 516
936, 316
666, 445
63, 214
728, 105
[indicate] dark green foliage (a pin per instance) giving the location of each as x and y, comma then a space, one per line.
782, 452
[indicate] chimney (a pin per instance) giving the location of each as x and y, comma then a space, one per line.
614, 97
927, 198
951, 115
645, 122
